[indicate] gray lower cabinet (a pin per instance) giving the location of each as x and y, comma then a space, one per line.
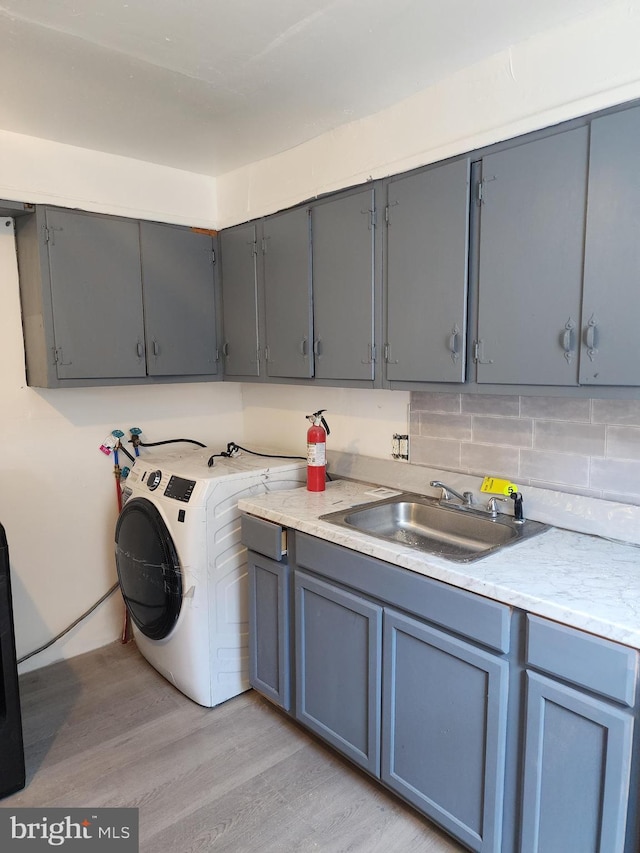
513, 733
338, 643
578, 740
427, 239
106, 299
269, 620
444, 732
576, 771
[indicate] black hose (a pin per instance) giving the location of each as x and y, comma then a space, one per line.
169, 441
126, 452
232, 447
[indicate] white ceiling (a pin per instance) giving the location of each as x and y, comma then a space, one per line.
211, 85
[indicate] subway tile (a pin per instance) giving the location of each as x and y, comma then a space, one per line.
562, 468
439, 452
569, 437
434, 401
624, 412
573, 490
555, 408
512, 432
616, 476
437, 425
507, 405
490, 460
623, 442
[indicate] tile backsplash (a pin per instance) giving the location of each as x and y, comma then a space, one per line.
580, 446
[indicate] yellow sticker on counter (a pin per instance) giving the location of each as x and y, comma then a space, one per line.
498, 487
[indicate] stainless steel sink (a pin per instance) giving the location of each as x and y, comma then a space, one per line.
458, 533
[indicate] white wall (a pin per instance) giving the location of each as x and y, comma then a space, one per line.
584, 66
57, 492
43, 172
361, 421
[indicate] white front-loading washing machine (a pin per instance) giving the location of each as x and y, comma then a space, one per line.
183, 569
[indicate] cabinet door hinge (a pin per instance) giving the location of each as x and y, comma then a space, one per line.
58, 358
372, 213
50, 234
480, 199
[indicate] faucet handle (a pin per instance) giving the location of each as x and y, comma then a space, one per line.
492, 506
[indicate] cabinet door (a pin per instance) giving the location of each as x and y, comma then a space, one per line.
426, 274
96, 295
179, 301
269, 667
443, 742
342, 247
338, 659
576, 771
239, 301
611, 306
287, 285
532, 224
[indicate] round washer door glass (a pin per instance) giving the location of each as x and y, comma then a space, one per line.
148, 568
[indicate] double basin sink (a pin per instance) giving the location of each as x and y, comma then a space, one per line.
457, 532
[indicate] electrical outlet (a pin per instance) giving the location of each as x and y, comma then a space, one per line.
400, 446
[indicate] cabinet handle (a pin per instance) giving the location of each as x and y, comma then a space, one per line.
303, 347
591, 337
453, 343
568, 344
140, 349
156, 348
225, 349
317, 347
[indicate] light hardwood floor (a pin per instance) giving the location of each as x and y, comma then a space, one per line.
104, 729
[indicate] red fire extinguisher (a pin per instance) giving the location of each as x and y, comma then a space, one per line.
317, 451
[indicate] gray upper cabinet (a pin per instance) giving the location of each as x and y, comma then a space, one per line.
81, 288
426, 275
240, 346
611, 305
287, 294
532, 223
178, 296
343, 287
107, 299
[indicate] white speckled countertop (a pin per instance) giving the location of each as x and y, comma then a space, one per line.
584, 581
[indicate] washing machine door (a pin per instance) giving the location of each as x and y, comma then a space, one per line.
148, 568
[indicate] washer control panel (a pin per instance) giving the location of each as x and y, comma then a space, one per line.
178, 488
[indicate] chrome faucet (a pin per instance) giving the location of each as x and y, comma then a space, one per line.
465, 498
492, 505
